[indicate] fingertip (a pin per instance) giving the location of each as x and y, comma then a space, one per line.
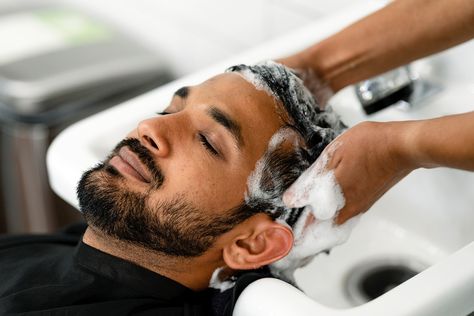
293, 200
341, 218
288, 198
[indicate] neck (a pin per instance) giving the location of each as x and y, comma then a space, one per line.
193, 273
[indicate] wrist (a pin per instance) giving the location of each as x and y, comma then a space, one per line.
402, 140
339, 65
408, 145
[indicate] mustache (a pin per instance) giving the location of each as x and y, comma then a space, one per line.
145, 157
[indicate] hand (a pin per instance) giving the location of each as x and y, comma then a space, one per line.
321, 91
366, 161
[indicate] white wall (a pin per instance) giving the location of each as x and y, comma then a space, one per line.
192, 34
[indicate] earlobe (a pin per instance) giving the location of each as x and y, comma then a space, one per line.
266, 241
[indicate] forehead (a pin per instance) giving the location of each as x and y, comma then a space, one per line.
236, 94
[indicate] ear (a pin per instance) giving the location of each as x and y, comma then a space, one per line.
260, 241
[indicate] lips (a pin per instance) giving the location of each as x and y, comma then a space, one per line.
128, 163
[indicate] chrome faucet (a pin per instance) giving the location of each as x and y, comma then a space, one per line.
401, 87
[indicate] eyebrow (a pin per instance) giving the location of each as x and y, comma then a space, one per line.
225, 120
182, 92
218, 116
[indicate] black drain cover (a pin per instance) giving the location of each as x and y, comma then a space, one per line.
383, 279
370, 279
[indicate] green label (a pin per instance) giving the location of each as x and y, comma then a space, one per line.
75, 28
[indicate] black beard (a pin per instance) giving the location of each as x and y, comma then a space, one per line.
173, 227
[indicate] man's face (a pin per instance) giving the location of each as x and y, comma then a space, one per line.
172, 185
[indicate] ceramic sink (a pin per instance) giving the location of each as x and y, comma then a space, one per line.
424, 224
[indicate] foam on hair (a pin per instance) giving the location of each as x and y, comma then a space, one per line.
292, 150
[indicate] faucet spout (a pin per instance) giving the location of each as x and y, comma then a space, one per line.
400, 86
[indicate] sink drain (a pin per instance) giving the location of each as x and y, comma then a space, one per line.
369, 280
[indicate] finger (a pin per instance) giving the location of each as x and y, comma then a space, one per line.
298, 194
324, 196
342, 217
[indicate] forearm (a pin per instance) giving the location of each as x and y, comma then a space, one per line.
371, 157
442, 142
399, 33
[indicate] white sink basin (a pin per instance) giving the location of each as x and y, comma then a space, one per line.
424, 222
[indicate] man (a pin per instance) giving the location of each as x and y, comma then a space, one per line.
189, 197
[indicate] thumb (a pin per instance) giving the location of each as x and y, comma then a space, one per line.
299, 193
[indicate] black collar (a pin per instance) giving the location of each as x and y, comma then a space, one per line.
127, 273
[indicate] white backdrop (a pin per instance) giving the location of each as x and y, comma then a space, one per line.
192, 34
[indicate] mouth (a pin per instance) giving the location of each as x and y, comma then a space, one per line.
127, 163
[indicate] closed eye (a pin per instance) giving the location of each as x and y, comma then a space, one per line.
202, 138
208, 145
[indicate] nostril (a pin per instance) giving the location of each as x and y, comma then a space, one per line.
151, 142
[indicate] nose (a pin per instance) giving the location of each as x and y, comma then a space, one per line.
152, 135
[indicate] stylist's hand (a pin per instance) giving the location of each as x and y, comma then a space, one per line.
367, 160
320, 89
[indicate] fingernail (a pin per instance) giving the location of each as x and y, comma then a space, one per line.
287, 199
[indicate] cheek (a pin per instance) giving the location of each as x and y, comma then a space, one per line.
209, 186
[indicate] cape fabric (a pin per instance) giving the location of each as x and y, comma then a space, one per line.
60, 275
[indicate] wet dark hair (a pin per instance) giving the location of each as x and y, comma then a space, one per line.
312, 129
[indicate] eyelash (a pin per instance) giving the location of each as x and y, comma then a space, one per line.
202, 139
208, 145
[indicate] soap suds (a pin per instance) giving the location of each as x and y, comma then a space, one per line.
265, 183
220, 282
320, 194
318, 197
292, 150
318, 186
255, 81
317, 126
319, 236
